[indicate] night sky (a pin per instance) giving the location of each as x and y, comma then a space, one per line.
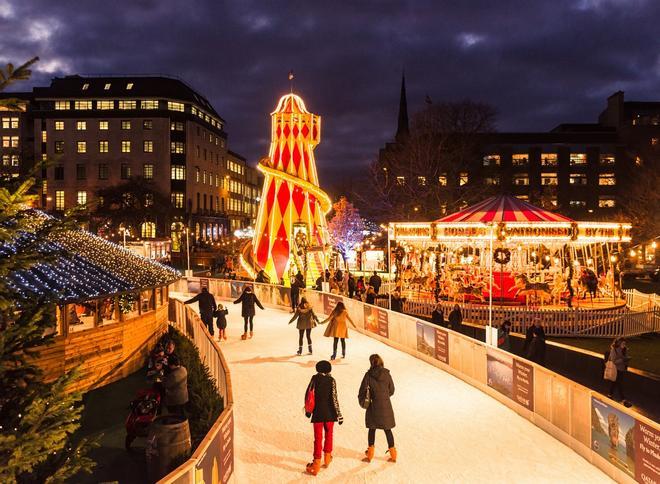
538, 62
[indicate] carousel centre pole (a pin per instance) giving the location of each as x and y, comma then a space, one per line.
490, 284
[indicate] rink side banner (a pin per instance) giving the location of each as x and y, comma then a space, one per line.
631, 445
329, 303
217, 464
433, 342
376, 321
511, 377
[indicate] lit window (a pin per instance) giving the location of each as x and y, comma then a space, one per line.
59, 147
81, 146
607, 179
577, 203
103, 125
654, 141
148, 230
148, 146
520, 179
549, 159
59, 199
147, 124
126, 124
520, 159
125, 171
82, 105
606, 203
62, 106
638, 161
103, 171
81, 125
177, 199
176, 126
149, 104
15, 160
85, 86
578, 179
125, 146
197, 174
44, 136
463, 178
103, 146
127, 104
81, 198
177, 147
400, 180
9, 123
174, 106
491, 160
81, 172
44, 187
148, 171
421, 181
107, 86
193, 110
59, 125
148, 199
442, 180
492, 180
204, 178
607, 159
129, 86
105, 105
178, 172
548, 178
578, 159
523, 197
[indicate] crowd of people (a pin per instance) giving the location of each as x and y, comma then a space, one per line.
168, 377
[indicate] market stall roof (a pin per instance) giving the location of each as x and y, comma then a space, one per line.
503, 208
79, 265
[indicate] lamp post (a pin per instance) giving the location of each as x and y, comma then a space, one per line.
188, 271
123, 231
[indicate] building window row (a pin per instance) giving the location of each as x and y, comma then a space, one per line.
9, 123
10, 141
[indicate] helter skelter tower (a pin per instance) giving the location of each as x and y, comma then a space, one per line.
291, 232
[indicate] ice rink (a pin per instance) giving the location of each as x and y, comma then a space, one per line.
447, 431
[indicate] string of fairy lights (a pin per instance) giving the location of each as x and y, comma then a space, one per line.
84, 266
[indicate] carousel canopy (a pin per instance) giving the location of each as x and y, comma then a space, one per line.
504, 208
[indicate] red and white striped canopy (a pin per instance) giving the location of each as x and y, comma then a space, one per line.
503, 208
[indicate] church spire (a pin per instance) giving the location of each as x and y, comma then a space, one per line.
402, 127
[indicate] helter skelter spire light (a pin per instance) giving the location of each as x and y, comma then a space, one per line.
291, 194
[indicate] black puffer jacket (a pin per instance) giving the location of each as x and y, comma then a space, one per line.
326, 407
248, 300
380, 414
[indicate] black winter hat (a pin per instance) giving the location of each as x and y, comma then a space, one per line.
323, 366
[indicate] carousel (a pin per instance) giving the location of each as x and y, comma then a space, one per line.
507, 252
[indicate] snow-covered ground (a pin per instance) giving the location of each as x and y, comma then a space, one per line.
447, 431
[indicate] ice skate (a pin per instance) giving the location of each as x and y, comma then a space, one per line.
392, 451
251, 334
369, 454
309, 349
299, 352
244, 336
327, 459
333, 357
314, 467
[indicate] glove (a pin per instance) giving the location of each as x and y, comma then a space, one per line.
308, 415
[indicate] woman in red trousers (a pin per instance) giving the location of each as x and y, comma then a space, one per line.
326, 412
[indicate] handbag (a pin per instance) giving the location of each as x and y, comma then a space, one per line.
610, 369
367, 397
310, 399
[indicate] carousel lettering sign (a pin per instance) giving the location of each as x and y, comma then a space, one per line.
464, 232
545, 232
617, 232
412, 231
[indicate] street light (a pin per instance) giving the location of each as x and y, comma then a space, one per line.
123, 231
187, 231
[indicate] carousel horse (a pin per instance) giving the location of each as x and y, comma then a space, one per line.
589, 283
558, 287
538, 290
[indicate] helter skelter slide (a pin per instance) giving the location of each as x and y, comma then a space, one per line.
291, 233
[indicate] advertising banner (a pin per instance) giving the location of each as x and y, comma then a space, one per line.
329, 303
236, 288
612, 435
647, 453
204, 283
433, 342
217, 464
376, 321
511, 377
194, 286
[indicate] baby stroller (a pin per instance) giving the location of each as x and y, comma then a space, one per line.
144, 409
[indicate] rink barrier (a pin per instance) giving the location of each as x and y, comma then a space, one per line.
213, 459
568, 411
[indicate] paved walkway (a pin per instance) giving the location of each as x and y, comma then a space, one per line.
447, 431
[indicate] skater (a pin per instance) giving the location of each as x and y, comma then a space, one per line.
534, 348
351, 286
455, 318
338, 329
375, 391
375, 281
207, 307
438, 316
248, 300
324, 414
504, 335
306, 321
297, 284
221, 321
618, 354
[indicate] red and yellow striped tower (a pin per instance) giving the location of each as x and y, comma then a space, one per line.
291, 199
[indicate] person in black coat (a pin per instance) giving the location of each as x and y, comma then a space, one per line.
207, 307
375, 391
455, 318
326, 412
249, 299
221, 321
375, 281
534, 349
438, 315
352, 286
397, 302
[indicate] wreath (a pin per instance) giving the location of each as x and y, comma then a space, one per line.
502, 256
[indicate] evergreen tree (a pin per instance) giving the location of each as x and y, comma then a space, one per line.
37, 417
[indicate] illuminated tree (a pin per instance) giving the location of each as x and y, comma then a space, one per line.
346, 227
37, 418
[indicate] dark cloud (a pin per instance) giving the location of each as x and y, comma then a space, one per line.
539, 63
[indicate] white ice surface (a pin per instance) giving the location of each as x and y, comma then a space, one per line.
447, 431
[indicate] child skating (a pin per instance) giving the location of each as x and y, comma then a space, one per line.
338, 329
306, 321
221, 321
